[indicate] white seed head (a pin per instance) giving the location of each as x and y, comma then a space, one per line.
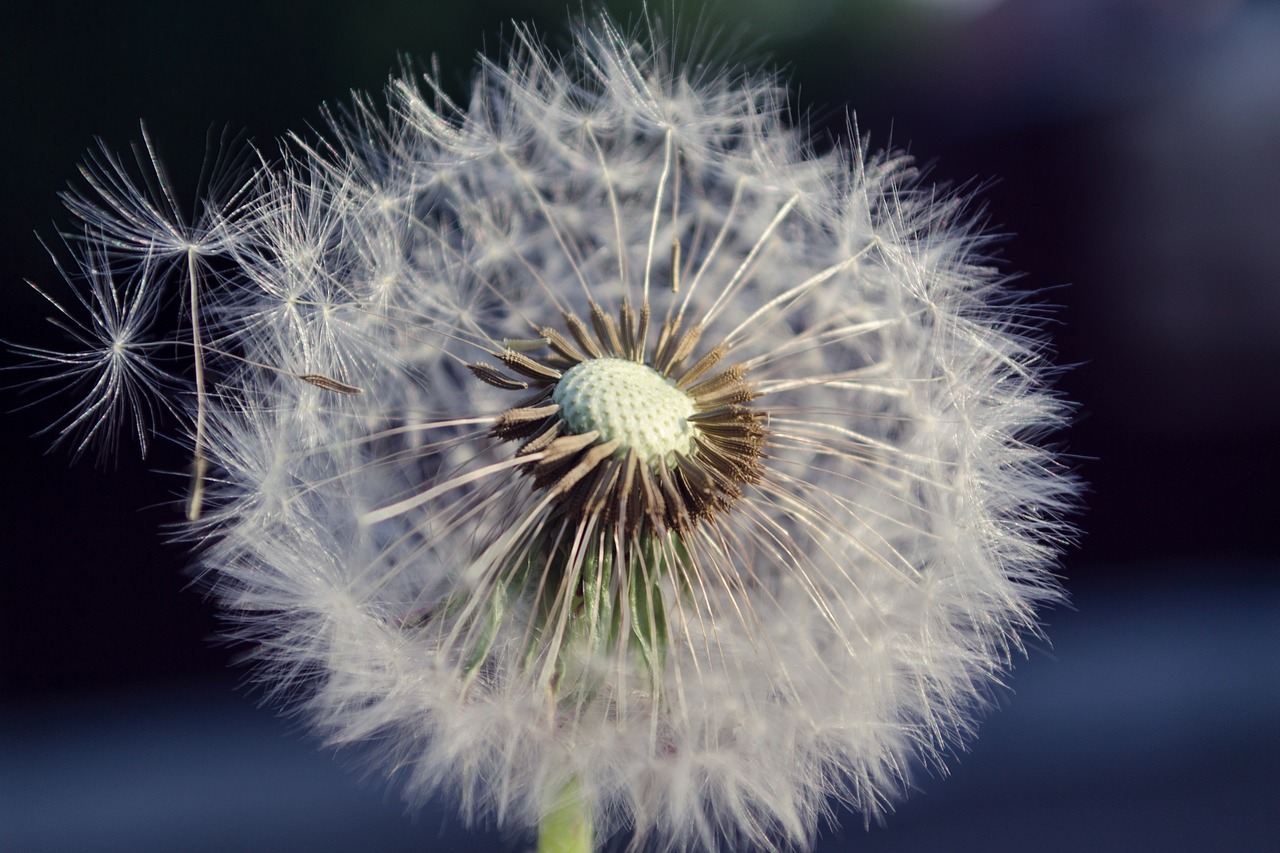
745, 514
630, 402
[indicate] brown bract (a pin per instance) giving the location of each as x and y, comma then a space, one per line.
592, 477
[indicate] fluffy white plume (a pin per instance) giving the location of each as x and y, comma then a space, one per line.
706, 648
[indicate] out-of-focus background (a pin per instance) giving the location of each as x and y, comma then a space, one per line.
1131, 150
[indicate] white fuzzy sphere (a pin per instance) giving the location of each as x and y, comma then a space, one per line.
836, 624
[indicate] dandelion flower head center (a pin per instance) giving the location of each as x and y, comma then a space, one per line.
632, 403
641, 436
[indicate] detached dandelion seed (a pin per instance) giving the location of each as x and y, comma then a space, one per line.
599, 452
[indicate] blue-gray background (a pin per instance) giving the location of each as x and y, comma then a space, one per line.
1131, 148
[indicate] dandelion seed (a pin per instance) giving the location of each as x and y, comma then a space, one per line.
649, 471
112, 371
328, 383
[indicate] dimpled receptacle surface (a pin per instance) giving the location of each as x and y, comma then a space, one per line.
631, 402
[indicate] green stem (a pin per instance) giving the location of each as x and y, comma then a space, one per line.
567, 828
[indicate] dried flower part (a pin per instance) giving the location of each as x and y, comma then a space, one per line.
636, 437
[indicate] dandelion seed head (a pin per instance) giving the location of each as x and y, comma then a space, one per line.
598, 435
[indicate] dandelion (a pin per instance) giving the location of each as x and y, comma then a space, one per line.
598, 453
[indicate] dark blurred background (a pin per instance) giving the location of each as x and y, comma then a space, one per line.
1131, 150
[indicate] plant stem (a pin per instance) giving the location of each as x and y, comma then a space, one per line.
567, 828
